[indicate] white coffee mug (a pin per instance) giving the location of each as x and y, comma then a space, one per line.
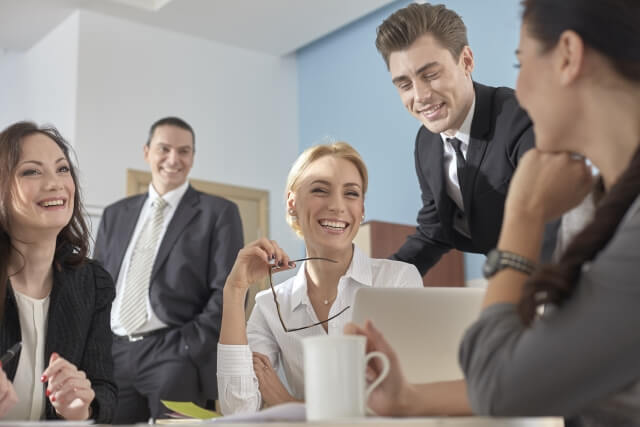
334, 376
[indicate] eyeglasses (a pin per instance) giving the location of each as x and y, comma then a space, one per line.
278, 305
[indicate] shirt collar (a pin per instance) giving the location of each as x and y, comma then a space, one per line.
359, 270
464, 133
172, 197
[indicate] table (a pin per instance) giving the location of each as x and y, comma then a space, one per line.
402, 422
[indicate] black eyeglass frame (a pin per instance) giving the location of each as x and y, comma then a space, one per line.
275, 299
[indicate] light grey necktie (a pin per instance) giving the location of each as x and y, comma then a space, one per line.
133, 310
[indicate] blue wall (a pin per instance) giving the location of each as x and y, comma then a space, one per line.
345, 93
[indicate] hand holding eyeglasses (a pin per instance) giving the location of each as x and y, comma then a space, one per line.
254, 262
263, 258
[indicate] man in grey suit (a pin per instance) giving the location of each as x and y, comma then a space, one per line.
169, 251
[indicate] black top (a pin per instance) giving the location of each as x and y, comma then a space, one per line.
78, 330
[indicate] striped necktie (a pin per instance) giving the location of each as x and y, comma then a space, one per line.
133, 310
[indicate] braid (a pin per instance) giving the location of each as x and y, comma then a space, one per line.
554, 283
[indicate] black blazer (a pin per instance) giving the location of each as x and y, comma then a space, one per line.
78, 329
500, 134
195, 256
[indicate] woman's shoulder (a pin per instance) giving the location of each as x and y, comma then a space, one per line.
398, 273
88, 274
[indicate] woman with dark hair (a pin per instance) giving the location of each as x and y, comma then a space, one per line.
580, 83
52, 299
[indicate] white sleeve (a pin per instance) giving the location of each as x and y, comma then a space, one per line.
238, 388
237, 383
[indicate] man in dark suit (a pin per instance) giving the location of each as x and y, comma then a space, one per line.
471, 137
170, 251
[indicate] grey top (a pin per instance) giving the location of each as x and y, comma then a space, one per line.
582, 359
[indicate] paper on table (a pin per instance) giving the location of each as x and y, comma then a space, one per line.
190, 409
291, 411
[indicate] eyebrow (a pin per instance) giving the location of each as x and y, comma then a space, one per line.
61, 159
180, 147
420, 70
348, 184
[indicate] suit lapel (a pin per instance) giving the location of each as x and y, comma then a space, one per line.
10, 331
186, 210
130, 216
477, 141
61, 315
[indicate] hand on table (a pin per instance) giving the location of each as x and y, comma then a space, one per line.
69, 390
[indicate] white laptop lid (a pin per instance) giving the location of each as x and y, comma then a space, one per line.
424, 326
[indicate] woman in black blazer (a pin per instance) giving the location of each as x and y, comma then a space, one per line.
52, 299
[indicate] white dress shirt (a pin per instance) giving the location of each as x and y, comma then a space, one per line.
450, 163
237, 383
172, 198
33, 314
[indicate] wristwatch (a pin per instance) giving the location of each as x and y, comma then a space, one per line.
498, 260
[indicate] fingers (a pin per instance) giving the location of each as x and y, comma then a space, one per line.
279, 257
62, 375
261, 359
8, 396
353, 329
268, 251
71, 390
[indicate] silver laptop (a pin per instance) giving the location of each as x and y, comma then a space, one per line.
424, 326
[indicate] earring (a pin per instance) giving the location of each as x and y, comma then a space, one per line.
292, 214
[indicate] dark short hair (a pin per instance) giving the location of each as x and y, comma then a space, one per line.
172, 121
405, 26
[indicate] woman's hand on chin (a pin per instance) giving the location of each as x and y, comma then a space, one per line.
545, 185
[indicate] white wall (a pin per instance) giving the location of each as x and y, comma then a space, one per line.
241, 104
40, 84
12, 88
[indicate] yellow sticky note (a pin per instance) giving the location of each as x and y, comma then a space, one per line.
190, 409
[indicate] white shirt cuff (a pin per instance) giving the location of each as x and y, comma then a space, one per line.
235, 360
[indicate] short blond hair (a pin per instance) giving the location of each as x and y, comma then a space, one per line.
340, 150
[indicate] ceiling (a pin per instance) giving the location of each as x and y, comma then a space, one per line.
276, 27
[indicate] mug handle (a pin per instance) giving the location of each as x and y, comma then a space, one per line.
385, 371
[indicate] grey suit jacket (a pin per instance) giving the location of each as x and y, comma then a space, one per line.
195, 256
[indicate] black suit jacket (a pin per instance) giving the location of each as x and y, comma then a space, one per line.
195, 256
77, 329
501, 132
